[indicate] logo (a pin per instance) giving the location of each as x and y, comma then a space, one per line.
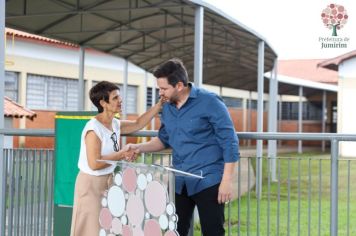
334, 17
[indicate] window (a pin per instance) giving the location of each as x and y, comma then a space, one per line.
333, 128
311, 110
11, 85
289, 110
334, 113
149, 97
52, 93
253, 105
232, 102
131, 100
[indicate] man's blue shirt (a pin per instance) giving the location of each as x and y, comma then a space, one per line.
202, 137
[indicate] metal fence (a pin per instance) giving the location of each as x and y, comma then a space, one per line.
300, 201
29, 191
309, 195
297, 202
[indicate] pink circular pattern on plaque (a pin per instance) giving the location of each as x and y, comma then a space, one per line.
152, 228
137, 232
135, 210
116, 226
129, 179
170, 233
126, 230
105, 218
155, 198
143, 209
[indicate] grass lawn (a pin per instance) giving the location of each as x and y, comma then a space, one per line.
304, 206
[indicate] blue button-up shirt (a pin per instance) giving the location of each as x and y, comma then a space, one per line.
202, 137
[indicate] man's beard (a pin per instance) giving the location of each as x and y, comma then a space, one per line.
174, 99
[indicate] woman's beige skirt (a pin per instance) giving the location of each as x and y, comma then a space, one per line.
88, 193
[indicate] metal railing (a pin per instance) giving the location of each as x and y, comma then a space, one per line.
302, 200
29, 191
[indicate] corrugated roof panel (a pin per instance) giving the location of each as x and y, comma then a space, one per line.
149, 32
13, 109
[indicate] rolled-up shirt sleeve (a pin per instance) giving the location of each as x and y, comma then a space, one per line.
163, 135
224, 130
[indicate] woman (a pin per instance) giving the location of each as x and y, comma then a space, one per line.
100, 141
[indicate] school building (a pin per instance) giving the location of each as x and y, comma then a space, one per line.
42, 75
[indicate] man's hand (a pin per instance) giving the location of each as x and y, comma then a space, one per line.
131, 152
225, 191
130, 156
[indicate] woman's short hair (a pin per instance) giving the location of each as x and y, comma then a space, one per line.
173, 70
101, 91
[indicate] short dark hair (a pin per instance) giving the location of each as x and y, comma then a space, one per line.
101, 91
173, 70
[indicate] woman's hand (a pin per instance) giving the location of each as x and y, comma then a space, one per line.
130, 152
162, 100
129, 126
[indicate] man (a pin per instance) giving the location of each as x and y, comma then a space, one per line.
196, 124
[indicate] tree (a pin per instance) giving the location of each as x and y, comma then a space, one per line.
334, 17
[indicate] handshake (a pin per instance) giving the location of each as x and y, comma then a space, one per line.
130, 152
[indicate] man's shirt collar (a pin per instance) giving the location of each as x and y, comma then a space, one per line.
193, 91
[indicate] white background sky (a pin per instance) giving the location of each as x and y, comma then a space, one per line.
291, 27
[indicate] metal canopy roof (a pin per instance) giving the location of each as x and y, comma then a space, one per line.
148, 32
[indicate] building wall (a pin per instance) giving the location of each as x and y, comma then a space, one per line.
8, 140
41, 58
346, 103
46, 120
59, 61
307, 127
